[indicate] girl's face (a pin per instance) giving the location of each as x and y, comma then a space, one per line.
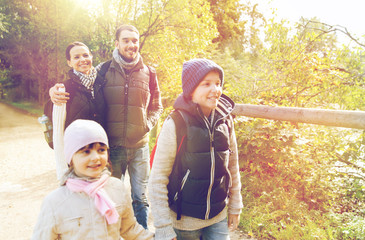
80, 59
90, 160
208, 92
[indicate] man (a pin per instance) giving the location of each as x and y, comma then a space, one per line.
134, 106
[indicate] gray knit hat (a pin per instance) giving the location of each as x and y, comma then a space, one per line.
80, 133
194, 71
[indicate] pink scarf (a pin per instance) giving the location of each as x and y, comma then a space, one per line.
101, 199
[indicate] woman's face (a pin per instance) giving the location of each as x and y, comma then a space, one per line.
80, 59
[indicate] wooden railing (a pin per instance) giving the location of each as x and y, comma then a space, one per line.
334, 118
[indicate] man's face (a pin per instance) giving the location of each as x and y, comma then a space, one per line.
128, 44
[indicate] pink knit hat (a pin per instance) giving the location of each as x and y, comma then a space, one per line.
80, 133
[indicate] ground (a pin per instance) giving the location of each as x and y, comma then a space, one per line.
27, 174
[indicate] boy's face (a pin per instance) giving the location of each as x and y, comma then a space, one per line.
128, 44
90, 160
208, 92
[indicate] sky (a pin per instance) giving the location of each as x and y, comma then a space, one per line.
346, 13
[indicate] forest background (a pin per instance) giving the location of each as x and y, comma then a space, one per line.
299, 181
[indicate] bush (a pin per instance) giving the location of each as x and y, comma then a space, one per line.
292, 182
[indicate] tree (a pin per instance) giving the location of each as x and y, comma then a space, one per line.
173, 31
33, 35
238, 25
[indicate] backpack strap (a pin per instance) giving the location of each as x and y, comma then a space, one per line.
104, 68
180, 134
181, 130
180, 126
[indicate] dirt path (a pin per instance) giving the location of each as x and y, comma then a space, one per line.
27, 173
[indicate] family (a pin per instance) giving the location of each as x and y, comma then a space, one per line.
194, 184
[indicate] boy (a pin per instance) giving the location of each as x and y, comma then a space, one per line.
189, 192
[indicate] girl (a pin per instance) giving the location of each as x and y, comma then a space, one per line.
89, 204
189, 192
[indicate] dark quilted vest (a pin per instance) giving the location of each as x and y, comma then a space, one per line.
127, 97
82, 105
203, 174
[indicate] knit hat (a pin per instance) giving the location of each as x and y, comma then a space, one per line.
80, 133
194, 71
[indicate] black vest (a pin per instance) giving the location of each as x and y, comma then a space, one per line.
199, 182
82, 104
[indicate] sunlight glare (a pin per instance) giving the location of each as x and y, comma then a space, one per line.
90, 4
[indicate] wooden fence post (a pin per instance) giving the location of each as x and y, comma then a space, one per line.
334, 118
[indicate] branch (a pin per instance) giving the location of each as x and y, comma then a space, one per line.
333, 28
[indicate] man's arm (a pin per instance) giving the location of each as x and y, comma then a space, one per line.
155, 107
58, 97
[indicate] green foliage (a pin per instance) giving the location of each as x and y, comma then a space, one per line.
292, 181
173, 32
299, 181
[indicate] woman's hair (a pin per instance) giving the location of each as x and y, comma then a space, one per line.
71, 45
125, 27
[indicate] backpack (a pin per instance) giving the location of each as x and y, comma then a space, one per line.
46, 121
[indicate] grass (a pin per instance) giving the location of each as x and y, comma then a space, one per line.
29, 107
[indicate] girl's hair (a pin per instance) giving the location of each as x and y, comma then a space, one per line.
91, 145
125, 27
71, 45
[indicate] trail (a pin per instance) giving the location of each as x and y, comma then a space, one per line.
27, 174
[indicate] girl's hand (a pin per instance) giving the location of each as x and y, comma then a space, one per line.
58, 97
233, 221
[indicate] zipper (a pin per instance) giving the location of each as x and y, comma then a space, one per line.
210, 127
183, 181
126, 86
212, 159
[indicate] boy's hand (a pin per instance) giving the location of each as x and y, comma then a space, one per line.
233, 221
58, 97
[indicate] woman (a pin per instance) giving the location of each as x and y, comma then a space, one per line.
85, 98
84, 86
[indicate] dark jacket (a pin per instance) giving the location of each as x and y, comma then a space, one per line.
134, 105
203, 175
82, 105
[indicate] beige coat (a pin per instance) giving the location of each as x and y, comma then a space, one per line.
68, 215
